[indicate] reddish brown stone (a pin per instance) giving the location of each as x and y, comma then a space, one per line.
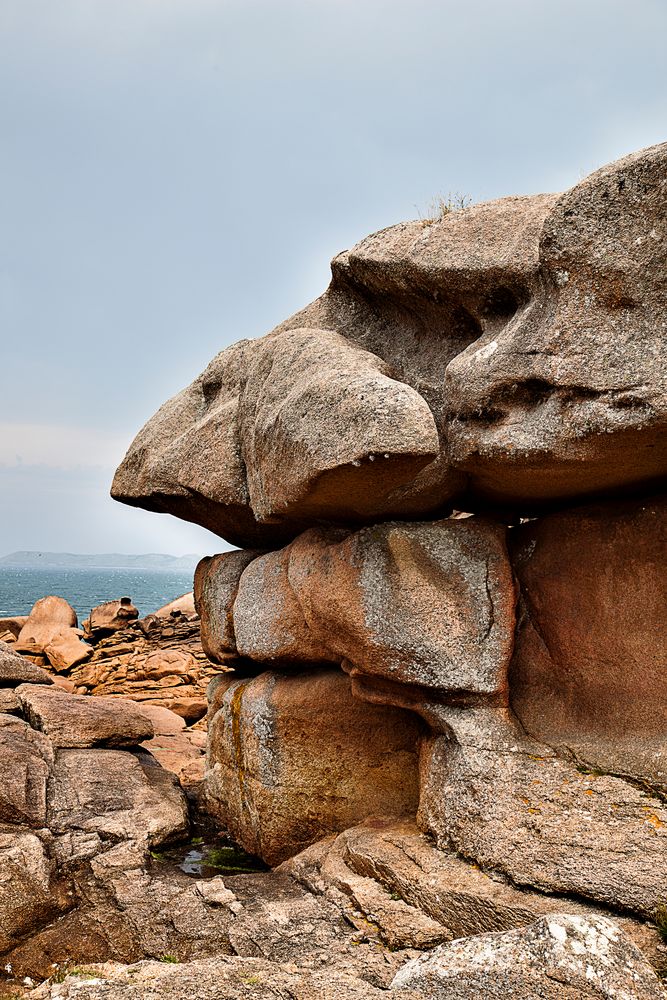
291, 759
590, 665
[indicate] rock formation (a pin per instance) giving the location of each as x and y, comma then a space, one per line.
447, 628
50, 632
110, 617
75, 783
508, 355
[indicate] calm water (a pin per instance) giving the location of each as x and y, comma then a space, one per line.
207, 858
84, 588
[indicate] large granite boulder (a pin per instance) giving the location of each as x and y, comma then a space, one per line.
560, 957
66, 650
216, 585
111, 616
428, 604
510, 353
291, 759
183, 605
49, 617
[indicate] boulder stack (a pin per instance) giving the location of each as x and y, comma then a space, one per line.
496, 680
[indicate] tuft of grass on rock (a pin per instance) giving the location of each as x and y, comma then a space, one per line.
171, 959
660, 918
440, 207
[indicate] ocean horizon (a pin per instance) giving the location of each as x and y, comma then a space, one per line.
85, 588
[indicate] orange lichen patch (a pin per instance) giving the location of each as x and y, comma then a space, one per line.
655, 821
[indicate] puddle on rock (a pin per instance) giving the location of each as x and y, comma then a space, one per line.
207, 858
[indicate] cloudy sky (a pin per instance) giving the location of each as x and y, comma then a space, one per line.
176, 174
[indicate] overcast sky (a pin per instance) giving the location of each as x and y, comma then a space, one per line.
177, 174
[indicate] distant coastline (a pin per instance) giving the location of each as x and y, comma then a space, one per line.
113, 560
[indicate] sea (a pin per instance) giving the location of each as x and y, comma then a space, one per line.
85, 588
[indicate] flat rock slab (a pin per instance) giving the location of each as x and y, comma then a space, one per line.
226, 977
559, 957
16, 669
71, 720
114, 794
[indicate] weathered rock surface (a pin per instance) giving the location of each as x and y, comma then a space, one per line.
71, 720
512, 352
561, 957
513, 805
8, 700
49, 617
111, 616
588, 673
389, 876
216, 586
184, 605
25, 760
570, 397
325, 428
29, 895
428, 604
16, 669
221, 978
66, 650
115, 794
133, 906
291, 759
268, 619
